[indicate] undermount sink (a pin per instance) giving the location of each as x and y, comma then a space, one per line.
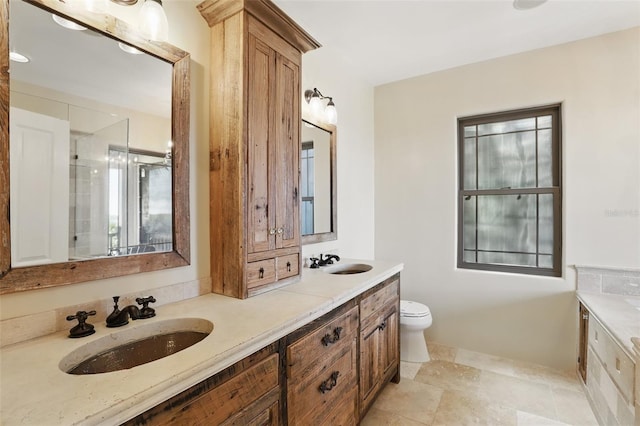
136, 346
348, 269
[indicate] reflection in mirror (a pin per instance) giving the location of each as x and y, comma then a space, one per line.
97, 143
68, 111
318, 209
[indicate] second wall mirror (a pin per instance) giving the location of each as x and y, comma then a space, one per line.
97, 148
318, 182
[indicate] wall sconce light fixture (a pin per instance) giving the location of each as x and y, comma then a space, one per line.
152, 21
314, 98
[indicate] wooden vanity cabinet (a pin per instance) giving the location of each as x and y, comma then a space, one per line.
379, 340
321, 370
254, 145
247, 393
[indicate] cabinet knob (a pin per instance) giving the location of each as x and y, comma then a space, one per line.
280, 230
272, 231
330, 383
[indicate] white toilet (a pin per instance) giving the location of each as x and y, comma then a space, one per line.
414, 319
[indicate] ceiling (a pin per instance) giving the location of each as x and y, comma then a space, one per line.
391, 40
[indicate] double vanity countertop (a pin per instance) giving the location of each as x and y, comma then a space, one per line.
35, 391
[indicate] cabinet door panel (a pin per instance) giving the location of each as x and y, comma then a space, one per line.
260, 187
287, 157
369, 361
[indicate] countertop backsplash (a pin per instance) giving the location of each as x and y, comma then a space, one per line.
618, 281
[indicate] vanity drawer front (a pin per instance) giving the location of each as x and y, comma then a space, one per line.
378, 300
620, 368
321, 343
597, 337
288, 266
261, 273
308, 405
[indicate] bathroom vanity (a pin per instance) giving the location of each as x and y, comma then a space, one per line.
609, 323
301, 354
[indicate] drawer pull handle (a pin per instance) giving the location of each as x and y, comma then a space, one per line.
329, 339
288, 266
618, 365
261, 273
382, 326
330, 383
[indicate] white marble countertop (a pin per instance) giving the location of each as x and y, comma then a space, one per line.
34, 391
619, 314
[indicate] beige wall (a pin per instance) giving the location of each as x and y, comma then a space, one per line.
530, 318
188, 31
328, 70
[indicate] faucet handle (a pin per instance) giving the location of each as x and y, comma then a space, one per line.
82, 329
314, 263
146, 311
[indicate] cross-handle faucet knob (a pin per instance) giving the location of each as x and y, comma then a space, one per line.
314, 263
146, 311
82, 329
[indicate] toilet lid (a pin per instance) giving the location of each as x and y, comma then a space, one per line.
409, 308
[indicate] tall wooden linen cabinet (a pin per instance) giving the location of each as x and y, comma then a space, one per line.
254, 145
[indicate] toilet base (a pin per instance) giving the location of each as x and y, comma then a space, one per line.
413, 347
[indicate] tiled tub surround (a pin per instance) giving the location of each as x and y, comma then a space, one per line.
36, 392
612, 297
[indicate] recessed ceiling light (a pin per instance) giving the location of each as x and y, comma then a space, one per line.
67, 23
18, 57
129, 49
527, 4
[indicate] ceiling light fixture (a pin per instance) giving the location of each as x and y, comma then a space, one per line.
152, 21
18, 57
314, 98
527, 4
70, 25
129, 49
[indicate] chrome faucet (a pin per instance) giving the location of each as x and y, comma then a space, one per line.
120, 317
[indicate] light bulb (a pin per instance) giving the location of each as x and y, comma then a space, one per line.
153, 21
315, 104
330, 113
70, 25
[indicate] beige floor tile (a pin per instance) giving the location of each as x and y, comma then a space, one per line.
573, 407
450, 376
519, 394
484, 362
408, 370
439, 352
376, 417
410, 399
528, 419
459, 410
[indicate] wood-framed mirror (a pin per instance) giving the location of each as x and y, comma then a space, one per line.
318, 182
164, 166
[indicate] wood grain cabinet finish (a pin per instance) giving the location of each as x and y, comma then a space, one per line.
379, 340
322, 376
247, 393
254, 145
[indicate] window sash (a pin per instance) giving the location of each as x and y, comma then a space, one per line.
554, 190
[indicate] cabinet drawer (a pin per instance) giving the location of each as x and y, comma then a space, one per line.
321, 343
618, 365
379, 299
261, 273
288, 266
309, 405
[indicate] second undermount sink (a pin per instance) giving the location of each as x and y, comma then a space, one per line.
348, 269
136, 346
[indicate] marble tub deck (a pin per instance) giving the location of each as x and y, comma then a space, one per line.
461, 387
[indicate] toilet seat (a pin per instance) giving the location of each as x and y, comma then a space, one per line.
410, 309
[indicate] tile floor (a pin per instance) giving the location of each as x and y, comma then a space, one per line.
459, 387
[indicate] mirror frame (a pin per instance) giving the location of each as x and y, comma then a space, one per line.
57, 274
333, 234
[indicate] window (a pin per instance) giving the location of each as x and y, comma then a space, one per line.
510, 192
307, 187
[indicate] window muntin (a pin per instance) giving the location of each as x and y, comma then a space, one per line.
510, 195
